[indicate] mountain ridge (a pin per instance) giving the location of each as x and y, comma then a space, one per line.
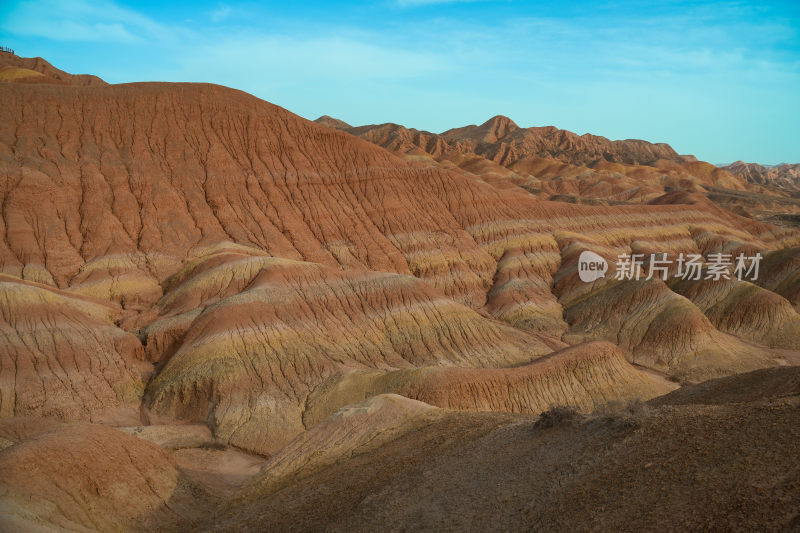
548, 140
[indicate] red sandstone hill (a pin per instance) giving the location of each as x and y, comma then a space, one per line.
177, 254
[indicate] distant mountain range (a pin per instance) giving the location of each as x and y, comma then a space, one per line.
785, 175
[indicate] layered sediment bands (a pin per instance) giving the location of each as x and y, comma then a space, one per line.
586, 376
663, 330
279, 284
84, 477
144, 173
685, 228
247, 363
128, 279
62, 356
780, 273
533, 256
618, 184
257, 253
160, 168
745, 310
210, 274
703, 203
522, 291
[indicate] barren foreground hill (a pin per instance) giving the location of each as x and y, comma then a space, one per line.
254, 292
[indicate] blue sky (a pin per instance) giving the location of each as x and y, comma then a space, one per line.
720, 80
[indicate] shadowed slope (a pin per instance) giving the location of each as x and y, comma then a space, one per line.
349, 431
638, 469
765, 384
661, 330
780, 273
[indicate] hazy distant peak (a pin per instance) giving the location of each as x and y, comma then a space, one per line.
331, 122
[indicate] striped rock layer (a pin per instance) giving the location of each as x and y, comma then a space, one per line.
213, 258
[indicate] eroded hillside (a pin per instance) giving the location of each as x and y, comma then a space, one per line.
195, 265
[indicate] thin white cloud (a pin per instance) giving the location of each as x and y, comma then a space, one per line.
81, 20
221, 13
232, 58
319, 60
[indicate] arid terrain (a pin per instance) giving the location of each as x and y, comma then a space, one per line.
216, 315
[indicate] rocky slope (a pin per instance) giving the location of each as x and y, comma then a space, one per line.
786, 176
500, 140
485, 472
